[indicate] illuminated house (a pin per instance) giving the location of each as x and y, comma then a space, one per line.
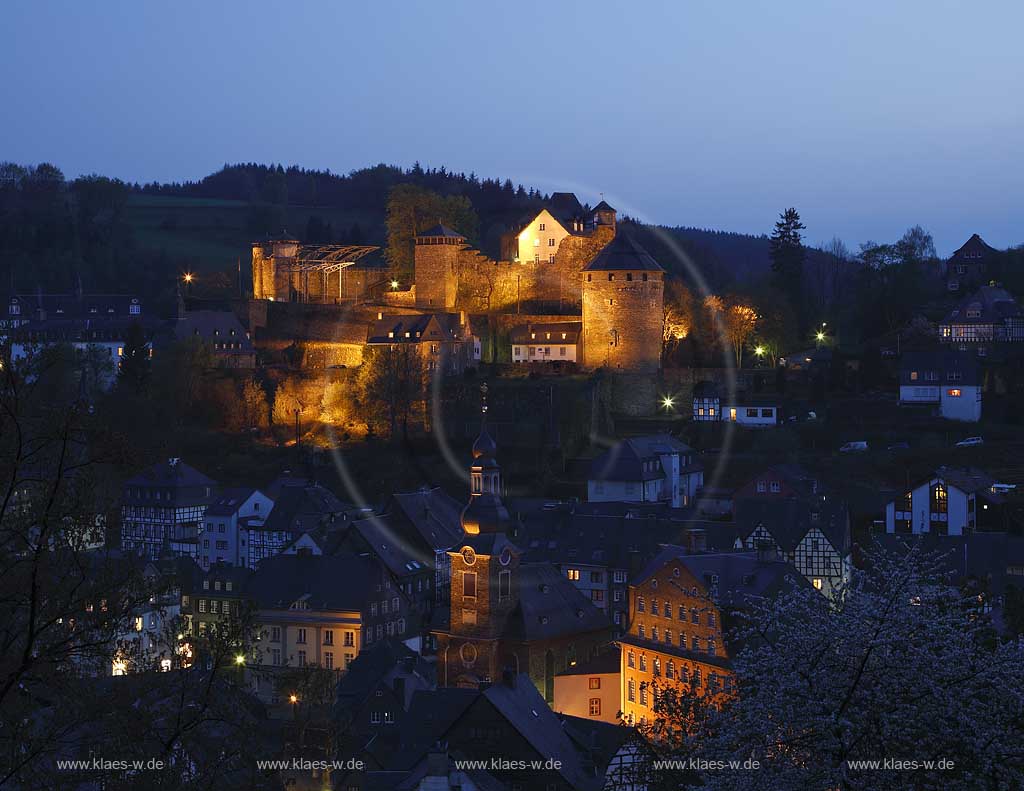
988, 316
676, 634
547, 343
539, 238
223, 538
444, 341
707, 403
952, 502
947, 380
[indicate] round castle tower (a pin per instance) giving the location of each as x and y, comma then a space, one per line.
623, 297
436, 258
270, 277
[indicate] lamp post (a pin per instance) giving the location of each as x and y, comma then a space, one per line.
188, 277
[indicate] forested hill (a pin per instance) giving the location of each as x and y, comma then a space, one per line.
113, 236
722, 257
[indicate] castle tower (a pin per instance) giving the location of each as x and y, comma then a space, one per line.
271, 269
623, 297
436, 257
603, 215
484, 577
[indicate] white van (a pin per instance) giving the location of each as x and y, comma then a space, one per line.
854, 447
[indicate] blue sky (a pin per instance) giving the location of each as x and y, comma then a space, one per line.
868, 117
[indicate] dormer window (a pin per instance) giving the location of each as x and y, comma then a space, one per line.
135, 308
15, 308
391, 334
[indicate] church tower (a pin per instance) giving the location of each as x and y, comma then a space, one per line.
484, 576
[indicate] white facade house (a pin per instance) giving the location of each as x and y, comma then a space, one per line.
547, 343
952, 502
707, 404
647, 469
539, 240
755, 415
948, 381
226, 524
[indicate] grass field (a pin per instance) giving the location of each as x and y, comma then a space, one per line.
208, 235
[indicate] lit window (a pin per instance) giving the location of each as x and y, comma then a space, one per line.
573, 574
817, 583
954, 393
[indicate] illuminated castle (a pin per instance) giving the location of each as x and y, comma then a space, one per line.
562, 265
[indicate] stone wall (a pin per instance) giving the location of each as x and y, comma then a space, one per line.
622, 320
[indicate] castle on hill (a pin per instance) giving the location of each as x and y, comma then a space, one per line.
564, 266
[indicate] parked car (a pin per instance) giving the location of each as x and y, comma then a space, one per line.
899, 446
854, 447
970, 442
1003, 488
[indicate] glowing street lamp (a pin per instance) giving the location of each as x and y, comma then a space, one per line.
293, 698
668, 402
394, 285
188, 277
759, 351
240, 659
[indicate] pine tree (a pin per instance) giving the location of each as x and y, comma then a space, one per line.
788, 255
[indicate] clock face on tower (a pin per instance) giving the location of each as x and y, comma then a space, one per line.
469, 556
506, 556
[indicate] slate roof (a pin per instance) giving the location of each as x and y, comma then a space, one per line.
565, 207
299, 509
215, 326
550, 606
394, 551
603, 206
229, 501
789, 519
523, 333
625, 460
974, 245
994, 305
941, 362
432, 515
439, 230
374, 664
393, 329
740, 574
326, 582
623, 253
173, 474
72, 307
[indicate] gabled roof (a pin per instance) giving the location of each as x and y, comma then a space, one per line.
605, 662
431, 515
215, 326
302, 508
230, 500
603, 206
551, 606
992, 304
625, 460
174, 474
705, 389
942, 363
412, 328
623, 254
324, 582
565, 207
374, 665
740, 574
975, 246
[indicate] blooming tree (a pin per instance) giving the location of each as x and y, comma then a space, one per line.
897, 681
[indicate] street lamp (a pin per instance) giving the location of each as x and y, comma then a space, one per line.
240, 659
394, 285
668, 402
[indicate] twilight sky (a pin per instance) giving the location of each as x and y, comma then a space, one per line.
867, 116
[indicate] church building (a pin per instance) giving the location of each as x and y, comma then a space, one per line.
505, 615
